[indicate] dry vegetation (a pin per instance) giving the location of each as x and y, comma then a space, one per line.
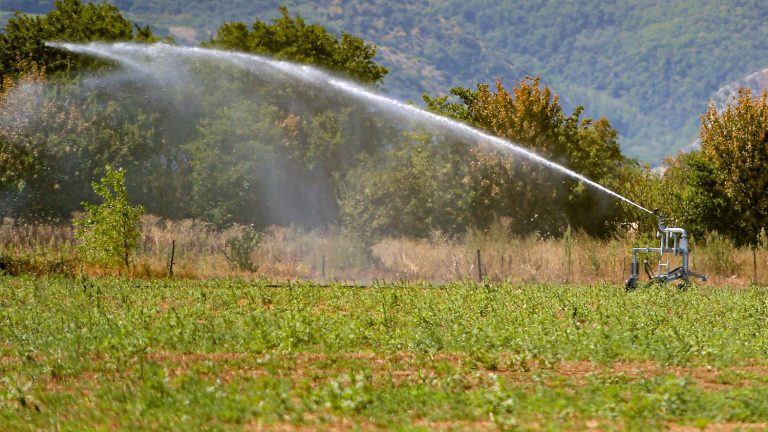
284, 253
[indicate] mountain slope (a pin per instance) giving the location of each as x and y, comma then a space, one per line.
648, 66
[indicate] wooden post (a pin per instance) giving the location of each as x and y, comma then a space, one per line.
323, 267
754, 265
479, 267
173, 254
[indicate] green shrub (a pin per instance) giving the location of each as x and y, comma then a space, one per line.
16, 265
12, 265
240, 249
109, 233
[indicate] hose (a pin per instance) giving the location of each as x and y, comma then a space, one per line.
648, 271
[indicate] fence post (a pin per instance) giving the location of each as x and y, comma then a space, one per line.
173, 254
479, 267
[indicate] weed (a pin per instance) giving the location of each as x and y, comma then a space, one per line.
719, 250
240, 248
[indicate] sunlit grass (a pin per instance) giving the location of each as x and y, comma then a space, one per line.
120, 353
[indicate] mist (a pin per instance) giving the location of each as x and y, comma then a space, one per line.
236, 138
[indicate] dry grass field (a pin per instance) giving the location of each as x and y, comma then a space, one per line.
293, 254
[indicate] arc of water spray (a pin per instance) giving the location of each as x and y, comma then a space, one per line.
122, 52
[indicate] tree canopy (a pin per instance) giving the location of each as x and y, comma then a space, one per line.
25, 36
291, 38
726, 182
506, 185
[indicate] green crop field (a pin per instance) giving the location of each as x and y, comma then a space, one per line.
106, 354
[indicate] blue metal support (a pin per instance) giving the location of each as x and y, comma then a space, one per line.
679, 239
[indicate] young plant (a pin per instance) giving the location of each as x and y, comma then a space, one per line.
240, 249
108, 233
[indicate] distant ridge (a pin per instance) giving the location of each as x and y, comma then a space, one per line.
650, 67
756, 81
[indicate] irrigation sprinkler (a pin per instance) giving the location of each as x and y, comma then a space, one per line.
678, 237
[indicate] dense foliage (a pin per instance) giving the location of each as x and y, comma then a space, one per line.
648, 66
442, 183
292, 39
724, 186
25, 36
222, 142
735, 143
509, 186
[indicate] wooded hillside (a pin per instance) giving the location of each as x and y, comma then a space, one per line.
648, 66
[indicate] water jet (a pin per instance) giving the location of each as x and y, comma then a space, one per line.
136, 55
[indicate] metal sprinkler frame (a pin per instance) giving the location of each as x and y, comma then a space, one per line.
679, 238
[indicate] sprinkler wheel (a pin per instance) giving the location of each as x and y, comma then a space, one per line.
630, 284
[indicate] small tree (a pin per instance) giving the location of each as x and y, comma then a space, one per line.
109, 232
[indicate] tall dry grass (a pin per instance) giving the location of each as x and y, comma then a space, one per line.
287, 253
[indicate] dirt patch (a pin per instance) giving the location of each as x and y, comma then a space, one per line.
75, 385
8, 359
410, 368
456, 425
341, 424
405, 368
706, 376
719, 427
187, 34
185, 358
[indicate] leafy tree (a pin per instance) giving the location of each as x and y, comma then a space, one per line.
322, 133
25, 36
503, 184
19, 100
293, 39
729, 178
231, 165
55, 140
690, 195
411, 190
735, 143
33, 130
109, 232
